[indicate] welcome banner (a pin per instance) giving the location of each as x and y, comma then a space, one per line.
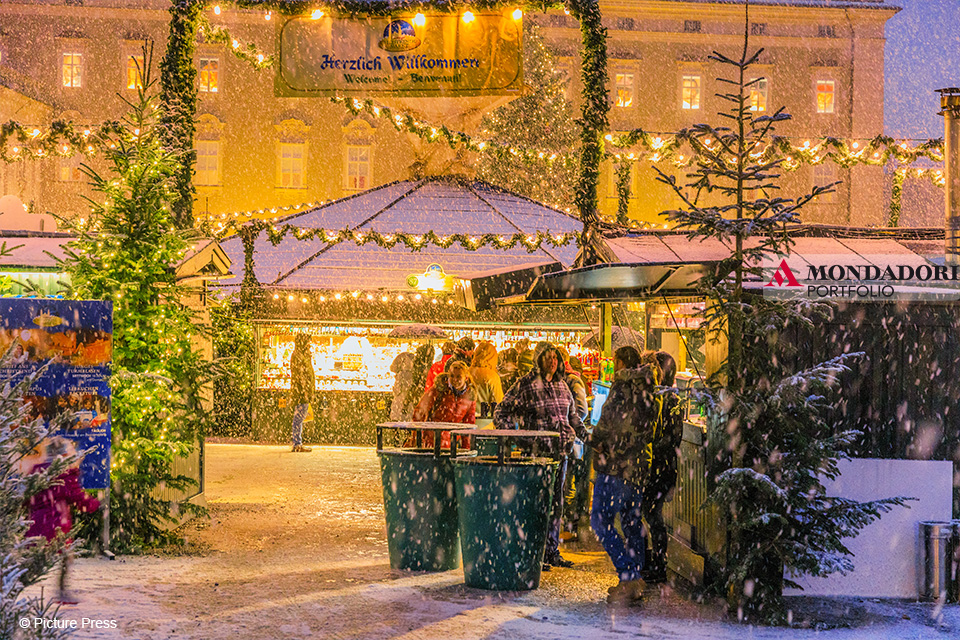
422, 55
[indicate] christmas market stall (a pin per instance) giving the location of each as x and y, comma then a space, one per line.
349, 272
898, 395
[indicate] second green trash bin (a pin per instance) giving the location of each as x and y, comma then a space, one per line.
504, 508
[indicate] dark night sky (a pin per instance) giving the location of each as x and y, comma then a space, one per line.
922, 54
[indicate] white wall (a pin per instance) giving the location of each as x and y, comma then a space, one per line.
887, 552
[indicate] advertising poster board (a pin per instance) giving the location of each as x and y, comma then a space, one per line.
422, 55
74, 340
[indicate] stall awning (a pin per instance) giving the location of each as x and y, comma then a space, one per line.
655, 264
613, 282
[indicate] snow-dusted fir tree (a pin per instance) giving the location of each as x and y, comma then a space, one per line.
769, 447
541, 119
22, 563
128, 252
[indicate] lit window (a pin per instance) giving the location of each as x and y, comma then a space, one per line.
358, 168
291, 165
691, 92
72, 68
624, 89
135, 72
209, 74
70, 169
825, 96
208, 163
758, 94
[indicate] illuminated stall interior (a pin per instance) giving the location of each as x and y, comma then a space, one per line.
358, 357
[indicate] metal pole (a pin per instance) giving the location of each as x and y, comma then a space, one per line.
950, 110
606, 339
106, 525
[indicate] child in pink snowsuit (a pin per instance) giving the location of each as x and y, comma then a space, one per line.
50, 511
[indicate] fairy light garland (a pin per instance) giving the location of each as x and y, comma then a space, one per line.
414, 241
246, 51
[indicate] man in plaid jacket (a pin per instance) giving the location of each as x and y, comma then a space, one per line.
541, 401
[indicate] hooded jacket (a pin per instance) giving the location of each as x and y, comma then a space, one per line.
538, 404
623, 438
302, 378
442, 403
486, 380
402, 368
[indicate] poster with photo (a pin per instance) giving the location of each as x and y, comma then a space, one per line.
74, 340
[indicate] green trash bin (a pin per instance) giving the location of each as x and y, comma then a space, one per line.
419, 499
504, 506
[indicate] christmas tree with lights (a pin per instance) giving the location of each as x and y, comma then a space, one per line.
127, 251
541, 119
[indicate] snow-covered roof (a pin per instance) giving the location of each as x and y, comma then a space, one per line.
445, 206
33, 252
675, 247
819, 4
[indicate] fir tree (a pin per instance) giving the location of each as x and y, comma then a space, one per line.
768, 444
127, 252
23, 562
541, 119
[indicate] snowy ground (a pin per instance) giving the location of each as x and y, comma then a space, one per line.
296, 548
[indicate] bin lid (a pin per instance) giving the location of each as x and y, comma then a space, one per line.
507, 433
423, 426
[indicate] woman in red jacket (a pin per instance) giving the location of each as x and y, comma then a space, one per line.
50, 510
451, 399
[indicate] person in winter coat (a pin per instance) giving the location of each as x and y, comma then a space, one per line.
450, 399
483, 370
622, 444
51, 509
659, 484
448, 349
463, 353
541, 401
509, 373
524, 356
575, 382
578, 469
402, 369
302, 387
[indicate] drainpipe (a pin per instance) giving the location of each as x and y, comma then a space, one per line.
950, 110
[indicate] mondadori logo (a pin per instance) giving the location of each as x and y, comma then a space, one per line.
882, 278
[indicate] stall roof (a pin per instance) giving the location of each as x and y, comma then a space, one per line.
442, 205
669, 263
32, 251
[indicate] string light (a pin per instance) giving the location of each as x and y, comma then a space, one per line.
419, 20
317, 14
468, 17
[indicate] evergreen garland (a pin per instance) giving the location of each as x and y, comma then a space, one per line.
624, 173
594, 109
896, 197
178, 97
